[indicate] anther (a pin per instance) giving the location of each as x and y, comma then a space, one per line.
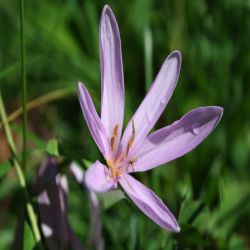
132, 138
114, 171
113, 138
133, 127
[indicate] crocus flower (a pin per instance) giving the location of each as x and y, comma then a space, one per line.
137, 150
52, 189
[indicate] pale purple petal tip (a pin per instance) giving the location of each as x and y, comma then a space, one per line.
112, 80
181, 137
155, 101
148, 202
97, 178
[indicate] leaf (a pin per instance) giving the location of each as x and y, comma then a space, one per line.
190, 211
52, 147
235, 207
60, 149
28, 240
133, 226
5, 167
108, 199
189, 235
87, 163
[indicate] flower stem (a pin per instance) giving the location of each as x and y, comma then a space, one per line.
20, 175
41, 100
24, 83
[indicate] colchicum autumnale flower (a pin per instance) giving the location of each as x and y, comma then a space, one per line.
135, 150
52, 190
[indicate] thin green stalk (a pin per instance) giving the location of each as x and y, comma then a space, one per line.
41, 100
148, 57
24, 83
20, 175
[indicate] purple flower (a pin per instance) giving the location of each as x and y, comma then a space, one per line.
52, 189
135, 150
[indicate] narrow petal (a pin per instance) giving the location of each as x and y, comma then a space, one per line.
97, 178
95, 234
155, 101
77, 173
112, 109
92, 119
149, 203
173, 141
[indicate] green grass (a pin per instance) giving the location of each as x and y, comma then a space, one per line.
208, 190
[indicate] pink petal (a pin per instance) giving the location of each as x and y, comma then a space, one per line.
149, 203
92, 119
97, 178
112, 108
155, 101
173, 141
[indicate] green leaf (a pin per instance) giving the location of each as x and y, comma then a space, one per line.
52, 147
108, 199
87, 163
189, 235
28, 241
60, 149
133, 232
189, 211
5, 167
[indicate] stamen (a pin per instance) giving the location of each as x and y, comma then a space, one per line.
131, 163
115, 171
131, 140
113, 138
133, 127
109, 163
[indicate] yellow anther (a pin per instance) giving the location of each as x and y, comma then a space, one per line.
113, 138
131, 139
112, 143
130, 144
133, 127
115, 171
116, 130
109, 163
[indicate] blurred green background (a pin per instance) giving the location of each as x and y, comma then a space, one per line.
209, 189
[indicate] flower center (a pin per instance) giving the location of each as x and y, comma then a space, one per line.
115, 170
121, 163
